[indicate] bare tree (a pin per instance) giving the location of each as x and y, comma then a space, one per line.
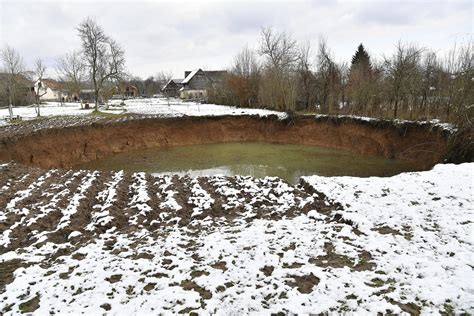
344, 70
40, 90
280, 51
242, 82
245, 63
151, 86
279, 48
305, 75
429, 84
12, 65
327, 78
103, 56
71, 70
163, 77
402, 71
459, 85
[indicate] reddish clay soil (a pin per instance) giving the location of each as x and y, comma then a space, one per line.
63, 143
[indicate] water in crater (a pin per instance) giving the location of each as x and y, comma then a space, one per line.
257, 159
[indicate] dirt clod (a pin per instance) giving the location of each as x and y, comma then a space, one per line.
304, 284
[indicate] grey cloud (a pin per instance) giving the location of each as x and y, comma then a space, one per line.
392, 14
399, 13
179, 35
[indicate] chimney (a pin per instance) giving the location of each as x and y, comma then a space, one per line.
186, 73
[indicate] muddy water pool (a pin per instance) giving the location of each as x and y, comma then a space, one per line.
258, 159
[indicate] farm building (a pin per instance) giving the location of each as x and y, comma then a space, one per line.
52, 90
23, 93
171, 89
196, 84
126, 90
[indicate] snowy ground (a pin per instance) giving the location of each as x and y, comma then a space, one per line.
135, 244
448, 127
155, 106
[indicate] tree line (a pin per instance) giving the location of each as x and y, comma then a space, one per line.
411, 83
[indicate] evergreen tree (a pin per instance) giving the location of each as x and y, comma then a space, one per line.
361, 58
360, 81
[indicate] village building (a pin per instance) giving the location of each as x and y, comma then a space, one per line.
126, 90
23, 93
172, 87
195, 85
52, 90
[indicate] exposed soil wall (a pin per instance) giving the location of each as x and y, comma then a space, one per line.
64, 147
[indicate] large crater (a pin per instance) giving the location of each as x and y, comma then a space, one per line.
66, 142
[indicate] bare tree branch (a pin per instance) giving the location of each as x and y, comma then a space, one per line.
104, 58
40, 89
71, 70
14, 66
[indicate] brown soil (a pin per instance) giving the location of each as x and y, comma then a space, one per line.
6, 271
334, 260
30, 305
55, 145
305, 283
188, 285
114, 278
384, 230
267, 270
47, 200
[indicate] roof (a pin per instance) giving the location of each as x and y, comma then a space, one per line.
126, 84
190, 76
21, 79
213, 75
216, 75
176, 81
53, 84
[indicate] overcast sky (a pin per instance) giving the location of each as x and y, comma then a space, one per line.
178, 35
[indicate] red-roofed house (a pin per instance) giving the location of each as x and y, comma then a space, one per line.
52, 90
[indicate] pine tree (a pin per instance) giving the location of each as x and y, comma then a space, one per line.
360, 81
361, 57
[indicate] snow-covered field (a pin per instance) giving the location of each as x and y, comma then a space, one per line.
155, 106
420, 229
448, 127
162, 107
236, 245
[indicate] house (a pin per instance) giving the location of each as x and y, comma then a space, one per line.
52, 90
171, 89
195, 85
127, 90
198, 82
23, 94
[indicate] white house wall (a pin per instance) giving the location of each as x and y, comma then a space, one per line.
191, 94
49, 95
53, 95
